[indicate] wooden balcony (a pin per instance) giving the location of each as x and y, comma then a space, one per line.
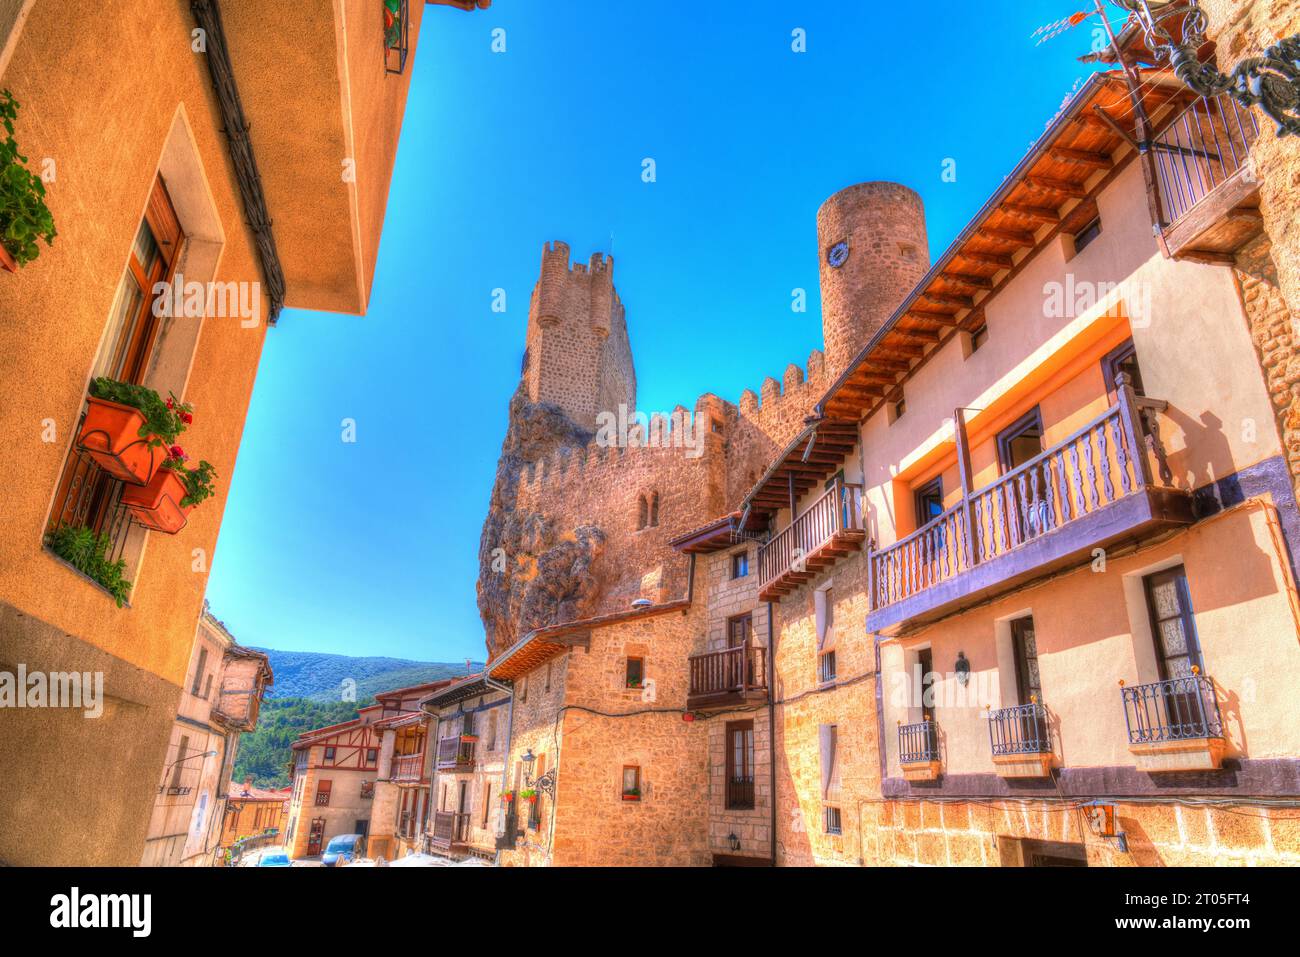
408, 768
720, 679
1206, 186
450, 830
829, 530
1094, 490
455, 755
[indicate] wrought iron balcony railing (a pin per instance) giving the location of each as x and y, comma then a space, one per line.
918, 742
1201, 150
740, 793
1021, 729
1177, 709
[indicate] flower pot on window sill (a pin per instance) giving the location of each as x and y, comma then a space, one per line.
110, 434
7, 261
631, 797
469, 739
158, 505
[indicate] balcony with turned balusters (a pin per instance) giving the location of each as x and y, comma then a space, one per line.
828, 530
1105, 484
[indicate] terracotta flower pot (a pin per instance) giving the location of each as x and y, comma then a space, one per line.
7, 261
110, 434
158, 504
631, 797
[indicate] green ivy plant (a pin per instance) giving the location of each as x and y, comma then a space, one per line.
87, 552
24, 217
164, 421
199, 482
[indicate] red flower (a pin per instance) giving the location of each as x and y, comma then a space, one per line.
170, 403
187, 418
176, 452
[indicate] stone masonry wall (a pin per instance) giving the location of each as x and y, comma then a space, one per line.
1274, 331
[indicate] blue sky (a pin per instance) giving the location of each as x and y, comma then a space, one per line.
501, 152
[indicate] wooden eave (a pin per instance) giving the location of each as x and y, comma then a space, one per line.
542, 644
1053, 190
818, 451
470, 687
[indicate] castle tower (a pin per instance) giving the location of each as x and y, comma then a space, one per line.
578, 356
873, 252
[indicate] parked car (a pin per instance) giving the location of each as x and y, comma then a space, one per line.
343, 849
274, 859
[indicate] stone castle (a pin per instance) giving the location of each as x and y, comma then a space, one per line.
579, 526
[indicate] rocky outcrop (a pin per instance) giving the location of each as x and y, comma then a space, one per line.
532, 572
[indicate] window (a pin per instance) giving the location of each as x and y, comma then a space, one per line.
1086, 235
492, 731
1123, 358
467, 723
635, 672
367, 789
487, 804
978, 336
1172, 624
87, 496
740, 564
826, 667
207, 687
548, 676
198, 672
1021, 441
647, 510
832, 820
323, 793
654, 510
739, 630
631, 782
897, 408
740, 765
929, 502
523, 689
1029, 685
329, 755
828, 740
372, 756
182, 752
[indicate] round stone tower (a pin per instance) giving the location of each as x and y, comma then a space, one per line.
873, 252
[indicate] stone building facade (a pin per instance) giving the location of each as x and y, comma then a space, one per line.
920, 602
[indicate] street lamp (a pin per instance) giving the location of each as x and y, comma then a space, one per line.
546, 783
1270, 81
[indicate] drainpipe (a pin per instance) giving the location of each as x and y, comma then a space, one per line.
510, 727
771, 722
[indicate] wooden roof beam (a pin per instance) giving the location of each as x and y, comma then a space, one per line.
965, 279
1082, 157
1037, 214
1063, 186
1001, 260
1016, 236
945, 299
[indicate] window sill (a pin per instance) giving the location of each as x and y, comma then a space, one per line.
87, 579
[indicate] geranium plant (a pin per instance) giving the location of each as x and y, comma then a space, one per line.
24, 217
87, 551
164, 421
529, 794
199, 482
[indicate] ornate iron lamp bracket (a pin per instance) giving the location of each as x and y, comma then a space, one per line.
1270, 81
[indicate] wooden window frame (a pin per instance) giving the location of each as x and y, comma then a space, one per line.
1087, 235
822, 658
921, 493
748, 619
1178, 575
740, 564
1110, 368
324, 788
330, 755
628, 668
748, 760
636, 779
1032, 418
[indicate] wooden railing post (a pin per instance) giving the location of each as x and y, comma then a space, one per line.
1130, 419
967, 481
